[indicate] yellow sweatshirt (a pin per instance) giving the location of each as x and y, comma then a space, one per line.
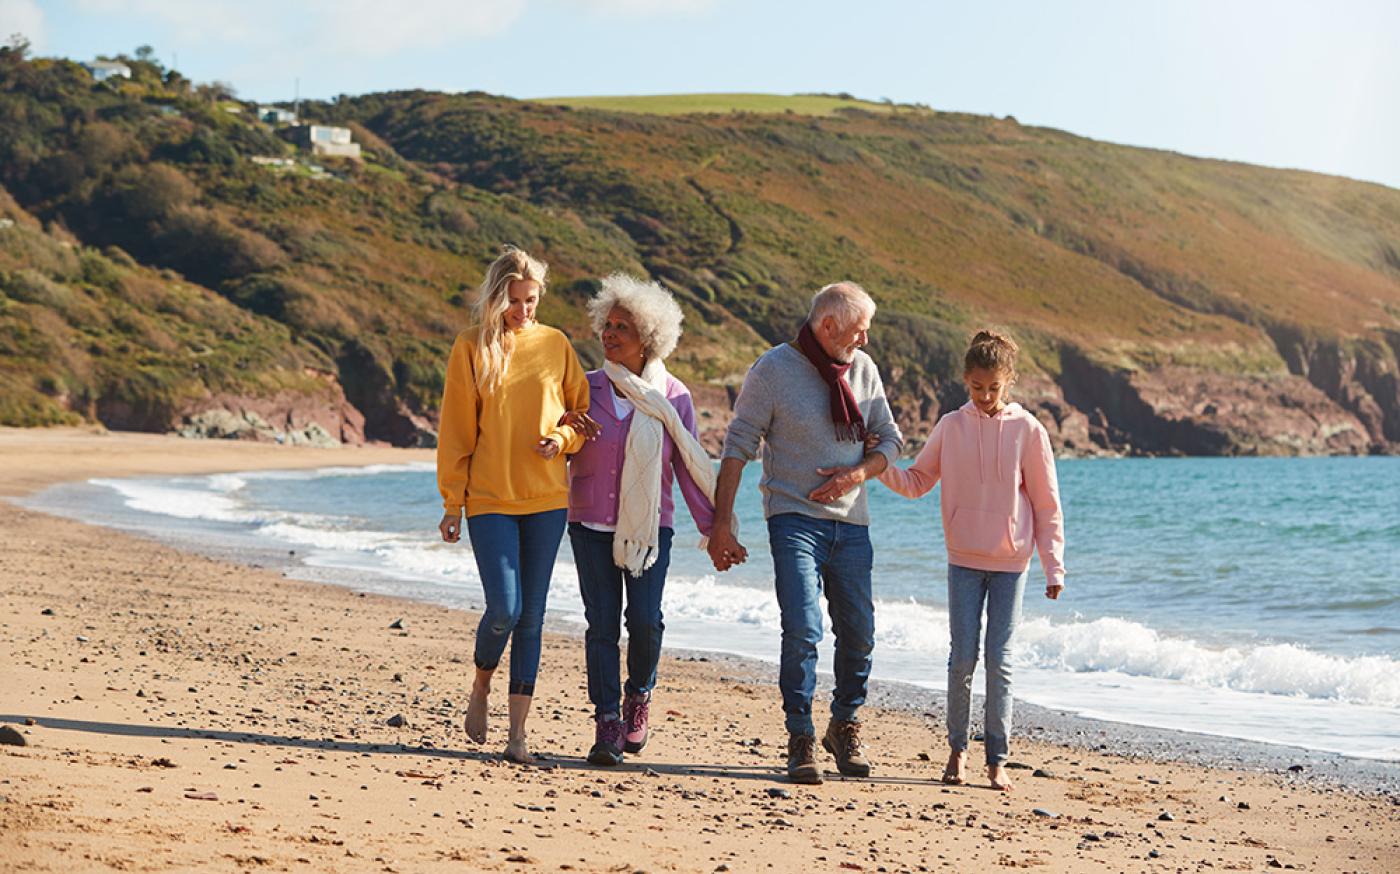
486, 459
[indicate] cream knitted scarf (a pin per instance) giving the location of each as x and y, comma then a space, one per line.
639, 497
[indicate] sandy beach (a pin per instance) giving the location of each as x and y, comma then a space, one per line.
183, 713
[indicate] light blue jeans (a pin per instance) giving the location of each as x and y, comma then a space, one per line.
515, 558
968, 591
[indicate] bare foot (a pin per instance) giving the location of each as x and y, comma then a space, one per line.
953, 771
996, 775
476, 715
518, 751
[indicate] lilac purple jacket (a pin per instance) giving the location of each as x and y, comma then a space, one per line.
596, 469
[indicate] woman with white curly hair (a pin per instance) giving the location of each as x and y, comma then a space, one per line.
620, 502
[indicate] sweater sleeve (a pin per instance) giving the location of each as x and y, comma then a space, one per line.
753, 413
881, 422
575, 387
1043, 488
920, 478
701, 507
457, 428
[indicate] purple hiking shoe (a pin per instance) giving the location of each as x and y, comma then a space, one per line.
607, 743
636, 711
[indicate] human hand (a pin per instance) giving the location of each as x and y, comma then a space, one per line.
872, 440
841, 480
1053, 591
547, 448
451, 527
725, 549
581, 422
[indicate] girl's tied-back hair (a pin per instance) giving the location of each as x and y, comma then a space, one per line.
494, 342
992, 351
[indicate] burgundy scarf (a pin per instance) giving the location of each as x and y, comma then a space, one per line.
845, 415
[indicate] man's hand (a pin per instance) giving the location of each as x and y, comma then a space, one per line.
450, 527
725, 550
548, 447
1053, 592
840, 481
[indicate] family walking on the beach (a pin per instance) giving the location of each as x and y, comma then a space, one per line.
530, 445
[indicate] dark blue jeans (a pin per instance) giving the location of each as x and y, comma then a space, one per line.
812, 556
515, 557
602, 585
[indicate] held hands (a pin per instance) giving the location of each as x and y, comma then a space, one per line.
841, 480
725, 550
450, 527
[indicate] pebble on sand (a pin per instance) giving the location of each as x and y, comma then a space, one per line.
11, 736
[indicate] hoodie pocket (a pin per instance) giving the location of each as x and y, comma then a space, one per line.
978, 532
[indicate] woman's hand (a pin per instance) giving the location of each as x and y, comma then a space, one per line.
547, 448
581, 422
450, 527
1053, 592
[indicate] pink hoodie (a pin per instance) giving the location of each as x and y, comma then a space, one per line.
1000, 494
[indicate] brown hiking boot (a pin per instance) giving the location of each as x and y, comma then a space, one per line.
802, 759
842, 740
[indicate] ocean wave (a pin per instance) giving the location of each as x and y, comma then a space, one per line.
1108, 645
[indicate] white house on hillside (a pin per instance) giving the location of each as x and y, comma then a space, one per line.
276, 115
324, 140
104, 70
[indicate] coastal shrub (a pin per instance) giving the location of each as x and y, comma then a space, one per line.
210, 249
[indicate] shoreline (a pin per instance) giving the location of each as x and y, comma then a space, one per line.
717, 781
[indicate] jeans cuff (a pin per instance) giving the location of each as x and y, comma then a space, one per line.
518, 687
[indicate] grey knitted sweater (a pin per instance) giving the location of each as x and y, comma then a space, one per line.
786, 407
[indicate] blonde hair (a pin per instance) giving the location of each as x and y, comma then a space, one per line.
655, 313
992, 351
844, 301
494, 342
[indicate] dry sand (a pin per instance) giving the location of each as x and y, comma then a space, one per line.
183, 713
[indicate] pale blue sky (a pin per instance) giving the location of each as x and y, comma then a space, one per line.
1283, 83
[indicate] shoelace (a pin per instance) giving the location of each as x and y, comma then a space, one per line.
611, 732
640, 713
806, 748
852, 737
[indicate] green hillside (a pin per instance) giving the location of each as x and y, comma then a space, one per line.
1166, 303
724, 104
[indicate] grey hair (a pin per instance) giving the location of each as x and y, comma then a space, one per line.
654, 312
844, 301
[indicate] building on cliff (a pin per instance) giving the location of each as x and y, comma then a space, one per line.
323, 140
103, 70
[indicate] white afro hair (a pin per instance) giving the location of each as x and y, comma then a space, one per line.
654, 311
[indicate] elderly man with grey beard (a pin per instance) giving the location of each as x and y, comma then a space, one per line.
818, 408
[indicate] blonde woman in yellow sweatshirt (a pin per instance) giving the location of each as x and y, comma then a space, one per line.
500, 457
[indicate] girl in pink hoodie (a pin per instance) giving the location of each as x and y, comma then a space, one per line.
1000, 500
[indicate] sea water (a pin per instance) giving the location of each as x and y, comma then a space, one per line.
1249, 598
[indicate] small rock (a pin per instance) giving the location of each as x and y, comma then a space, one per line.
146, 789
29, 720
397, 624
1018, 766
520, 857
1165, 817
1048, 814
11, 737
1090, 836
201, 796
396, 721
721, 867
774, 792
1297, 769
140, 693
1243, 805
1041, 772
82, 638
1275, 863
163, 762
1153, 854
47, 611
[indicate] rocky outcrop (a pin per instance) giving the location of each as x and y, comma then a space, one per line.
371, 387
289, 417
1362, 376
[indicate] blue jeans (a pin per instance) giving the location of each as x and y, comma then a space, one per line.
968, 590
602, 583
811, 556
515, 557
